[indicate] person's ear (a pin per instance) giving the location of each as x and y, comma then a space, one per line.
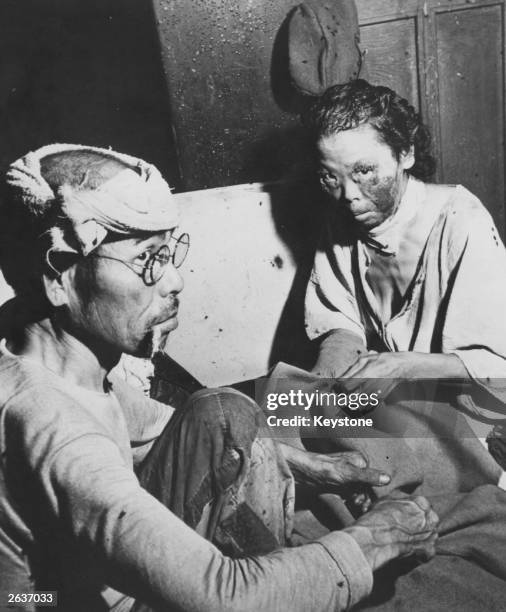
56, 291
407, 158
57, 274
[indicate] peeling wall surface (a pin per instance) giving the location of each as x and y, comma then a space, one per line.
241, 281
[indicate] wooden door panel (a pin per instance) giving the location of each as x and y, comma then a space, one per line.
372, 10
447, 56
469, 47
392, 57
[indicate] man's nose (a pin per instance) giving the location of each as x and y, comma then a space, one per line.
350, 190
171, 281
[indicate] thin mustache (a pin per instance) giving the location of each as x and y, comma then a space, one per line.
173, 310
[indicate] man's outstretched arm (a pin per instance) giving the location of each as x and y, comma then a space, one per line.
144, 550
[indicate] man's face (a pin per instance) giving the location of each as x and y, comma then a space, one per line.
111, 304
362, 174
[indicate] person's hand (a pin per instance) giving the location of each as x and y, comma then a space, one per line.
382, 372
396, 528
333, 471
378, 372
383, 365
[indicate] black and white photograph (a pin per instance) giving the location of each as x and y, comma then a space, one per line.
252, 305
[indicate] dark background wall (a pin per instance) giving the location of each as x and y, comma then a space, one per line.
198, 86
225, 62
86, 71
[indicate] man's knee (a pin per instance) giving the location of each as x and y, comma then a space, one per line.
205, 449
226, 413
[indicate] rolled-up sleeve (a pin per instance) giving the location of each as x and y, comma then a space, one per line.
148, 553
352, 564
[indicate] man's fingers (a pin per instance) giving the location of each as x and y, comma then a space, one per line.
427, 549
422, 502
368, 476
432, 519
359, 498
366, 506
355, 458
361, 502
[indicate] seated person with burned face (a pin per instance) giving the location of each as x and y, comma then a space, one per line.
409, 269
407, 284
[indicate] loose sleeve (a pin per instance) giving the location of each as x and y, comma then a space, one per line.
330, 296
142, 549
474, 325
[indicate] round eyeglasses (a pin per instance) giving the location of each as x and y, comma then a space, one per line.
154, 268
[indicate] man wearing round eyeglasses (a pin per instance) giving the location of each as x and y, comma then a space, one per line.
89, 246
156, 304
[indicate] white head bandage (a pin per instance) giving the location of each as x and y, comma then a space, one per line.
136, 199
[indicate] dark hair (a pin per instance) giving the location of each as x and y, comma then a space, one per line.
344, 107
24, 238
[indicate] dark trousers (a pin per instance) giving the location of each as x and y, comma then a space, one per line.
215, 467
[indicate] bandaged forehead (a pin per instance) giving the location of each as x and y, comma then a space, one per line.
136, 199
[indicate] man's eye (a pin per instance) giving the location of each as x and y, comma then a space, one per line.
143, 257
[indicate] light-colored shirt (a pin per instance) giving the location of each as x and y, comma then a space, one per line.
67, 486
446, 267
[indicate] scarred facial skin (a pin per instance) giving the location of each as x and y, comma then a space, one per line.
362, 174
111, 306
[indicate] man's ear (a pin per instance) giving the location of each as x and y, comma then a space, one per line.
407, 158
55, 289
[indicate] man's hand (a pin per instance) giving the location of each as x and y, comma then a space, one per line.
396, 528
328, 472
